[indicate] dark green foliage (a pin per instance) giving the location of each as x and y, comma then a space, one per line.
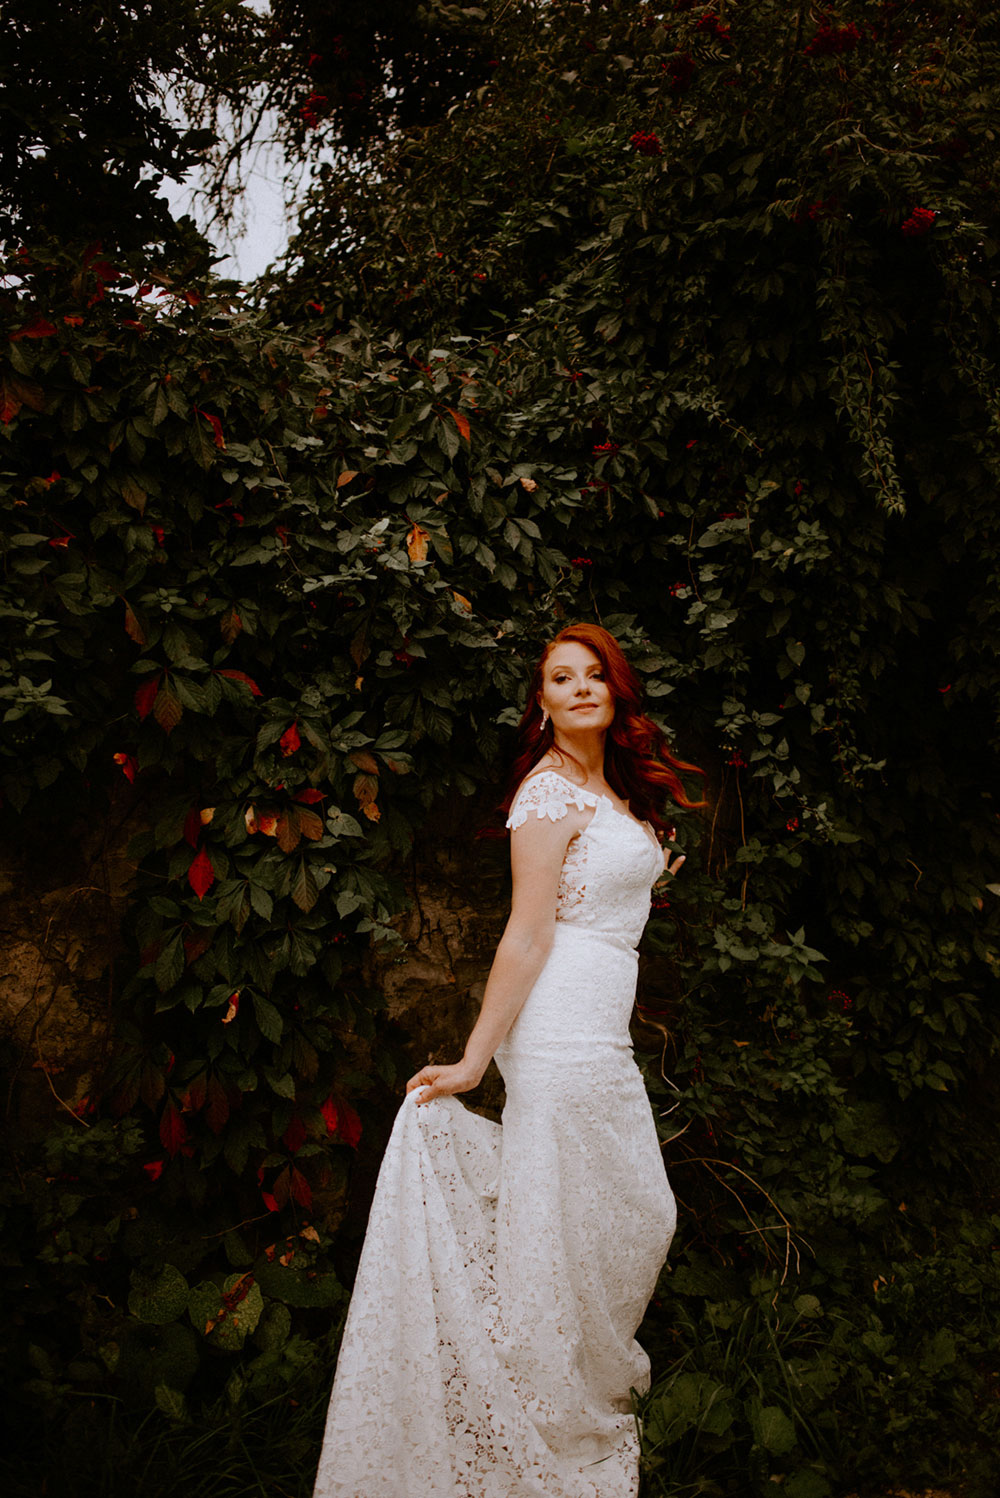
692, 330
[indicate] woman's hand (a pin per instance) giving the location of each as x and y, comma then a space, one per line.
675, 866
444, 1081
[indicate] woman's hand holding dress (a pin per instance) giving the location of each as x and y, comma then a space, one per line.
537, 851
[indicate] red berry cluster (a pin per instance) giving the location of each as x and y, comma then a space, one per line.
681, 71
646, 143
920, 221
579, 562
711, 24
313, 108
831, 41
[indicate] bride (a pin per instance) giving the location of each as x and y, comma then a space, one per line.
490, 1348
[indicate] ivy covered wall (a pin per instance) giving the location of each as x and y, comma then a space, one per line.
680, 321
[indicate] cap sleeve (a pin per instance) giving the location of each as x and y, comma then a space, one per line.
547, 795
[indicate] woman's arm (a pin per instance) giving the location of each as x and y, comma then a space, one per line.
537, 850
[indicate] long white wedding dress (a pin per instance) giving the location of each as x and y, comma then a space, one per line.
490, 1348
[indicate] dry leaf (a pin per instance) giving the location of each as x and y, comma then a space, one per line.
462, 601
363, 760
416, 544
346, 476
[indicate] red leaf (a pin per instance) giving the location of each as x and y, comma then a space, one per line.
197, 946
217, 1107
300, 1189
173, 1130
154, 1169
39, 327
16, 392
129, 765
269, 1201
290, 740
461, 421
232, 675
330, 1116
309, 796
192, 827
349, 1125
201, 875
294, 1136
146, 696
215, 424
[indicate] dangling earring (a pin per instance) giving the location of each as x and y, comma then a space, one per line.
545, 718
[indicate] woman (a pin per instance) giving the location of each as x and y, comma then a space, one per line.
489, 1350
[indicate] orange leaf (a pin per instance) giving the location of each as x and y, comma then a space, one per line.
461, 421
290, 740
242, 676
416, 544
289, 830
230, 624
233, 1009
462, 601
310, 825
133, 628
364, 761
146, 696
346, 476
167, 709
129, 765
39, 327
372, 812
201, 875
365, 788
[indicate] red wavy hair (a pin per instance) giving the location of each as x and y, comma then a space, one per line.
638, 764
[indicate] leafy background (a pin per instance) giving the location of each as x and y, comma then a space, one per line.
678, 318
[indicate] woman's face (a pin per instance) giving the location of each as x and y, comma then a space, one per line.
574, 690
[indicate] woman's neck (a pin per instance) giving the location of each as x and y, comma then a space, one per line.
587, 752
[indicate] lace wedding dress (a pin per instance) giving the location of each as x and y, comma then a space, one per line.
489, 1348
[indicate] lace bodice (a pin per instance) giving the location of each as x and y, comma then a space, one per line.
609, 867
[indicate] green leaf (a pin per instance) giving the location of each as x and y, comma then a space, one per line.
268, 1017
159, 1297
